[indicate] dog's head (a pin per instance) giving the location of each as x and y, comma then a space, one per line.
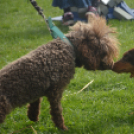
126, 63
94, 43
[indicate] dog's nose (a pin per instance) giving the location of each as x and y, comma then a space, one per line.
106, 66
114, 67
110, 66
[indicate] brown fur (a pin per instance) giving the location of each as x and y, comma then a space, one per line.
126, 63
48, 69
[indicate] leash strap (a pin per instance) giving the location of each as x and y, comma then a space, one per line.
40, 11
55, 31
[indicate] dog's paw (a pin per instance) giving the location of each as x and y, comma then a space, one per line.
35, 119
65, 128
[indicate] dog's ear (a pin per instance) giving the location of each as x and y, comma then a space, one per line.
129, 57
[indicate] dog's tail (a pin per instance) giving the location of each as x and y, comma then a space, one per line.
5, 108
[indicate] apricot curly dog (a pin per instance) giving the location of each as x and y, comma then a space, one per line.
48, 69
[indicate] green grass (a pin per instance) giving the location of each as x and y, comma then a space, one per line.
102, 108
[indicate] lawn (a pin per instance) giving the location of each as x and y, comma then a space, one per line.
104, 107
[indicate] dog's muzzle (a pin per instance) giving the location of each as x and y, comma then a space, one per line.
105, 66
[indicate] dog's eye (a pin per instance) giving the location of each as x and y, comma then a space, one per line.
125, 57
103, 54
128, 58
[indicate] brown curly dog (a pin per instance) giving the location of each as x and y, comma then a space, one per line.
126, 63
48, 69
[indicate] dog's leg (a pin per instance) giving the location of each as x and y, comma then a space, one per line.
5, 108
56, 109
34, 110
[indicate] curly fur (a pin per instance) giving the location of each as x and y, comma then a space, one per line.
48, 69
